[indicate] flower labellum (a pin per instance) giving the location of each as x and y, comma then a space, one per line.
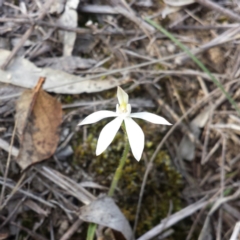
123, 113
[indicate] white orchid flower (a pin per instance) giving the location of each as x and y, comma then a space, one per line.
123, 113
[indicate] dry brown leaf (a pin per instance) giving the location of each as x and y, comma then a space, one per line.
38, 117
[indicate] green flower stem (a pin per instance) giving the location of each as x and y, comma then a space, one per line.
118, 172
92, 226
195, 59
91, 231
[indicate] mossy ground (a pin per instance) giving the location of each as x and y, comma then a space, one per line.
163, 186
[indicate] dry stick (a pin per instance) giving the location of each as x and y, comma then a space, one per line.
213, 107
145, 27
17, 48
26, 36
7, 165
15, 189
167, 109
219, 229
218, 8
173, 219
200, 214
179, 19
9, 217
216, 205
27, 193
199, 21
6, 147
47, 24
229, 35
207, 136
67, 235
207, 133
149, 166
203, 28
235, 233
122, 8
212, 151
176, 94
150, 163
78, 30
235, 71
31, 233
205, 157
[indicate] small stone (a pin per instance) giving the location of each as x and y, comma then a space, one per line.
171, 48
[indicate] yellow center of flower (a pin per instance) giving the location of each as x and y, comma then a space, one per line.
123, 107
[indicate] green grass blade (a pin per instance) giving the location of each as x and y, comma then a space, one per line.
198, 62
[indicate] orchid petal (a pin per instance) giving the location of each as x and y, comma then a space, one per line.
135, 137
122, 96
107, 135
153, 118
97, 116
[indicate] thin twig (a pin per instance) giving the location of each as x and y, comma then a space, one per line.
27, 193
14, 190
26, 35
68, 234
217, 204
29, 232
214, 6
203, 28
168, 110
235, 234
222, 184
13, 211
173, 219
8, 164
149, 166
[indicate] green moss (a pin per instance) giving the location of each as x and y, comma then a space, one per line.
68, 99
163, 185
159, 66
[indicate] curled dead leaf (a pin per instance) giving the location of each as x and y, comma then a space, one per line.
105, 212
38, 118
